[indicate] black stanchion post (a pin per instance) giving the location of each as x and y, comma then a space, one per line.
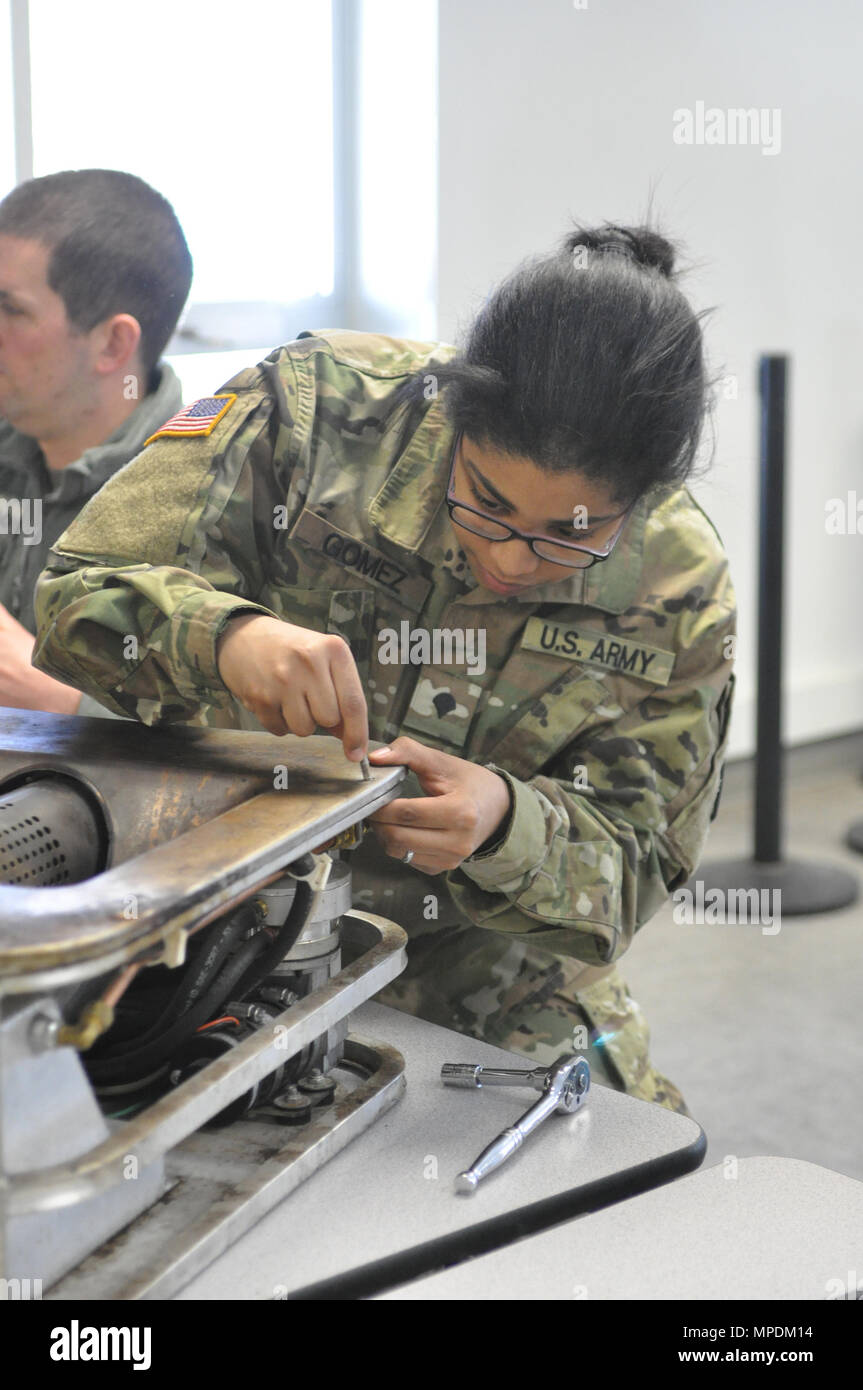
773, 376
801, 886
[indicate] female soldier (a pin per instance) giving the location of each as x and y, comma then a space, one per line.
487, 557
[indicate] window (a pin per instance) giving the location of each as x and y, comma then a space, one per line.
8, 124
296, 140
231, 120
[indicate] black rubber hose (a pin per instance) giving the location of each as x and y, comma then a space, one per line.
153, 1053
288, 933
196, 980
217, 951
252, 963
125, 1034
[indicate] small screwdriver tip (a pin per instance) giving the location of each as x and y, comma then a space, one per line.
366, 770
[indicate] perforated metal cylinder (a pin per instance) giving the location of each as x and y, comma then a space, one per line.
49, 834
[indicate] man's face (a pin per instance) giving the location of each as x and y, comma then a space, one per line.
515, 491
46, 373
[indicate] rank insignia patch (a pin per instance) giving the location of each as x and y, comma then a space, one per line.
198, 418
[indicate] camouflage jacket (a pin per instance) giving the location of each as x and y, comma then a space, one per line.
61, 493
605, 697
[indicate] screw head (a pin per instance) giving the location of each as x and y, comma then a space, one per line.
42, 1033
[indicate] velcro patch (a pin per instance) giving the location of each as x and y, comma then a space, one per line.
201, 417
599, 649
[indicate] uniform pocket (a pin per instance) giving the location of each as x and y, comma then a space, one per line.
687, 832
549, 723
347, 613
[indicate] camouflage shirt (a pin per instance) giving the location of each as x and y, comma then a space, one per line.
604, 698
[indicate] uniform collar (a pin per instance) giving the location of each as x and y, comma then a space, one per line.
17, 450
412, 495
412, 500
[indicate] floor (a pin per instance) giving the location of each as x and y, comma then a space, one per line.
763, 1033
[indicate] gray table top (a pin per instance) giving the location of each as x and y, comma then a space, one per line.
391, 1189
771, 1228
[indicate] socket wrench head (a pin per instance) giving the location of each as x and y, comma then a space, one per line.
569, 1079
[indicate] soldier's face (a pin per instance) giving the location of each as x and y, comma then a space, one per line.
515, 491
45, 364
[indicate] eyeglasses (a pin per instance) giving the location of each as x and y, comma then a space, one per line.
559, 552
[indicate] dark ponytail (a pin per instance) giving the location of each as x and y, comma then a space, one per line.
641, 245
589, 359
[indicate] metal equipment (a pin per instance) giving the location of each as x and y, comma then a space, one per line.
179, 960
564, 1086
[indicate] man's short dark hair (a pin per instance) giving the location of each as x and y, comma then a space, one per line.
116, 248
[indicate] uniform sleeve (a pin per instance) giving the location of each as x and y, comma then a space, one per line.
137, 590
94, 709
595, 847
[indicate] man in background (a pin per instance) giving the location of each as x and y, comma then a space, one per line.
94, 273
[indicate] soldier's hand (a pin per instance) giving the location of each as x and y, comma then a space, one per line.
294, 680
22, 686
464, 805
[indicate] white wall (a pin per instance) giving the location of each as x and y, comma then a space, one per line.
552, 110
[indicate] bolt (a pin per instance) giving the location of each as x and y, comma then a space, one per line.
42, 1034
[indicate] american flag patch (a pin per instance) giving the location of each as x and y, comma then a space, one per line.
198, 418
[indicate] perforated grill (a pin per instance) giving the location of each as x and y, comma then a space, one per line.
48, 835
30, 852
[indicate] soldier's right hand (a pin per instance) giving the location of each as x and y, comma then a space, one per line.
294, 679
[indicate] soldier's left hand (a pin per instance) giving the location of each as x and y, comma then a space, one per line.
464, 804
21, 685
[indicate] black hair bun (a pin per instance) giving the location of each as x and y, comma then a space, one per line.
640, 244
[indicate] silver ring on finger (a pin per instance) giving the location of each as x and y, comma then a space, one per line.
407, 856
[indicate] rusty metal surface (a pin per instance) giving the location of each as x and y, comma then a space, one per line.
211, 829
167, 1122
225, 1182
154, 784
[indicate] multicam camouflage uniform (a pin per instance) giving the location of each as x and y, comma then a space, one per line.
604, 703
